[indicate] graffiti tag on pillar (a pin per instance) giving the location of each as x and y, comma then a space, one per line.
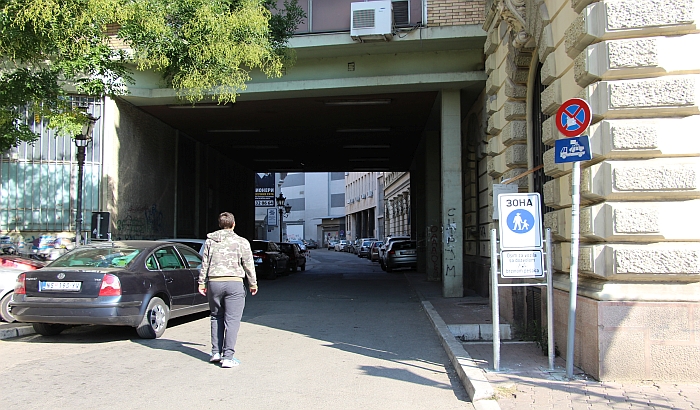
434, 249
451, 270
450, 253
449, 229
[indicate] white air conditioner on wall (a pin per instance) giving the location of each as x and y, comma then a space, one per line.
371, 21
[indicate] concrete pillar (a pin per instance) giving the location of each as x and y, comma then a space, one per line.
451, 178
433, 266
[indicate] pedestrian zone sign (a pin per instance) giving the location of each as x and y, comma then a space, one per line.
520, 221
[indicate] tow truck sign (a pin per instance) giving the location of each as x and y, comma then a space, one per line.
572, 149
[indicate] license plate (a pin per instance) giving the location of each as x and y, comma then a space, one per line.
59, 286
408, 252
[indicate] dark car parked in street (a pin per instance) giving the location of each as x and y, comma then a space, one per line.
270, 261
363, 251
374, 251
400, 254
142, 284
297, 259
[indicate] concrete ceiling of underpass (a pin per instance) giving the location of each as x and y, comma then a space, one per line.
314, 134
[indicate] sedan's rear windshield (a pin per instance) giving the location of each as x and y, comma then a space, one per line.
256, 246
97, 257
397, 246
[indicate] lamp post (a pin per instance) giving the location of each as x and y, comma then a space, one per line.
283, 209
81, 142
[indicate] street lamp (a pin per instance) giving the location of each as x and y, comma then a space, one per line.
82, 141
283, 209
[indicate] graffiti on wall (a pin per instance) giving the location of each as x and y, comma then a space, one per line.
140, 223
449, 230
434, 251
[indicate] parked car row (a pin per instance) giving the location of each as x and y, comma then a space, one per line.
277, 258
142, 284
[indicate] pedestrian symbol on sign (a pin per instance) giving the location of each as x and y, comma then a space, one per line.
520, 221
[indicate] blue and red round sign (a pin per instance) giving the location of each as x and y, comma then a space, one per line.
573, 117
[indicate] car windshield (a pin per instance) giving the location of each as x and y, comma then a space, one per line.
97, 257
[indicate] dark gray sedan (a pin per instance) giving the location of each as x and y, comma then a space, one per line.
142, 284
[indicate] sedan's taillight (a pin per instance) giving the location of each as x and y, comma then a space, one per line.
110, 286
20, 287
391, 253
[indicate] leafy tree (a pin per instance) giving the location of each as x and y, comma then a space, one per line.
50, 49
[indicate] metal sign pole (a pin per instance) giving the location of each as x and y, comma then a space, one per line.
573, 270
495, 321
550, 300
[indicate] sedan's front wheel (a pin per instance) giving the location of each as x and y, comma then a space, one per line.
155, 320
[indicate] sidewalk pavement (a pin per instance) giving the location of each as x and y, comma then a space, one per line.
524, 380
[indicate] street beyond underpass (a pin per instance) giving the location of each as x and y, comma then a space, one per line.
341, 335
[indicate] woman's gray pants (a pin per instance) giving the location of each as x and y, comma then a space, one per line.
226, 302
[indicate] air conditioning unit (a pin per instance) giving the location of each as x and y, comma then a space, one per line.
371, 21
363, 196
370, 194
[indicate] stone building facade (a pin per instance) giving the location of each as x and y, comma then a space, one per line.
397, 206
639, 272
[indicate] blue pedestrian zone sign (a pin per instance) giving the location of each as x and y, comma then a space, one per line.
572, 149
520, 221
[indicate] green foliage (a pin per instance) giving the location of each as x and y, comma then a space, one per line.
50, 49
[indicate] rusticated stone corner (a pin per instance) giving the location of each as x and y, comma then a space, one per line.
514, 132
636, 53
655, 178
633, 136
658, 92
516, 155
636, 220
549, 70
549, 131
630, 14
515, 110
515, 91
657, 261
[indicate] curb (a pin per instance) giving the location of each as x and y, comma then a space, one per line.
472, 376
15, 331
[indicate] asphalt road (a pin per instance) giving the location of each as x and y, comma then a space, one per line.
341, 335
